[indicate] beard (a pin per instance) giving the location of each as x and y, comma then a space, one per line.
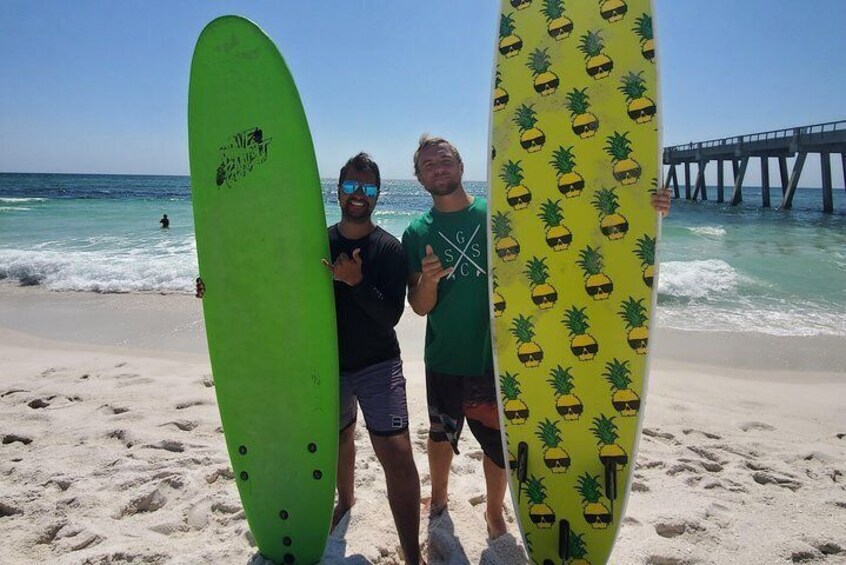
357, 215
442, 189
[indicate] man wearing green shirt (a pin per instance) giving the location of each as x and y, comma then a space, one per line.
448, 283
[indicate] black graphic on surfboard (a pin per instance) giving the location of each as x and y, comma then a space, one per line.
244, 150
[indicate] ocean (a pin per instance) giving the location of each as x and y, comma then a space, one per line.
723, 268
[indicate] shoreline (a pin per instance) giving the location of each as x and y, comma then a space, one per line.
174, 322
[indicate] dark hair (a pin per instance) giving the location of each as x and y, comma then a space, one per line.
362, 163
427, 141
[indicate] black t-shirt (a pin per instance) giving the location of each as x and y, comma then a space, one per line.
368, 312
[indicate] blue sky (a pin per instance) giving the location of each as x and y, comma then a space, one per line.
99, 86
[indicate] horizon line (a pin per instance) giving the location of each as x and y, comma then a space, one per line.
170, 175
772, 186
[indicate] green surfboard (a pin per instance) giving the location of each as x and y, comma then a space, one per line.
576, 152
269, 304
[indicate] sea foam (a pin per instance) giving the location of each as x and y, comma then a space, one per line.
698, 279
710, 231
16, 200
103, 272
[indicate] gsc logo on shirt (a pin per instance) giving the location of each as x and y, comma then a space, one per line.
464, 253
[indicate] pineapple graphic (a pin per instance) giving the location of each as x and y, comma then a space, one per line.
595, 512
570, 183
515, 409
597, 64
626, 171
605, 431
529, 353
531, 138
507, 248
584, 123
558, 236
577, 550
634, 314
624, 400
500, 96
555, 458
509, 43
541, 515
518, 196
497, 299
597, 284
643, 29
567, 404
559, 26
582, 344
521, 4
641, 108
613, 225
544, 294
645, 251
613, 10
546, 82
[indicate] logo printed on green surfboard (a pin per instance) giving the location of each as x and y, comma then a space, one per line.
238, 157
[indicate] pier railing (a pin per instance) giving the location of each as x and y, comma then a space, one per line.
779, 134
826, 139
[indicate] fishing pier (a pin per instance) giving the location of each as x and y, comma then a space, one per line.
825, 139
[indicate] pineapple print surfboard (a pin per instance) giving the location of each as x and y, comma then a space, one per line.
575, 141
269, 306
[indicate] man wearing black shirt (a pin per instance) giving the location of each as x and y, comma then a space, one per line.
369, 268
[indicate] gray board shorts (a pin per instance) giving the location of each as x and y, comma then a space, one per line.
380, 391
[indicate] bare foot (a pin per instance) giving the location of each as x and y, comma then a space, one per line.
429, 509
496, 526
339, 512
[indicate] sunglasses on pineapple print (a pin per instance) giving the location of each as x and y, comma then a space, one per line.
351, 186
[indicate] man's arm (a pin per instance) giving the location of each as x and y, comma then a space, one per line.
421, 297
385, 302
423, 286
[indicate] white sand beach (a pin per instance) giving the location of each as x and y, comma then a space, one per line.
112, 452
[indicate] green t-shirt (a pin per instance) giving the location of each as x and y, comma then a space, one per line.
458, 331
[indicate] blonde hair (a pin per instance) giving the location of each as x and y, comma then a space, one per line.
427, 141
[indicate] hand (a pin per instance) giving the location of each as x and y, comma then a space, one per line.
201, 288
432, 270
346, 269
661, 201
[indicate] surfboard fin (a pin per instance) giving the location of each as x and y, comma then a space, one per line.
611, 480
611, 485
564, 540
522, 465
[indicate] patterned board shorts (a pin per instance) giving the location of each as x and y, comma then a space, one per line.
380, 391
452, 399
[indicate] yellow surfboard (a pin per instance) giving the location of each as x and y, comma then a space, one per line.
575, 141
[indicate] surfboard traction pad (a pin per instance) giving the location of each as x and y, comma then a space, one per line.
575, 154
269, 304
